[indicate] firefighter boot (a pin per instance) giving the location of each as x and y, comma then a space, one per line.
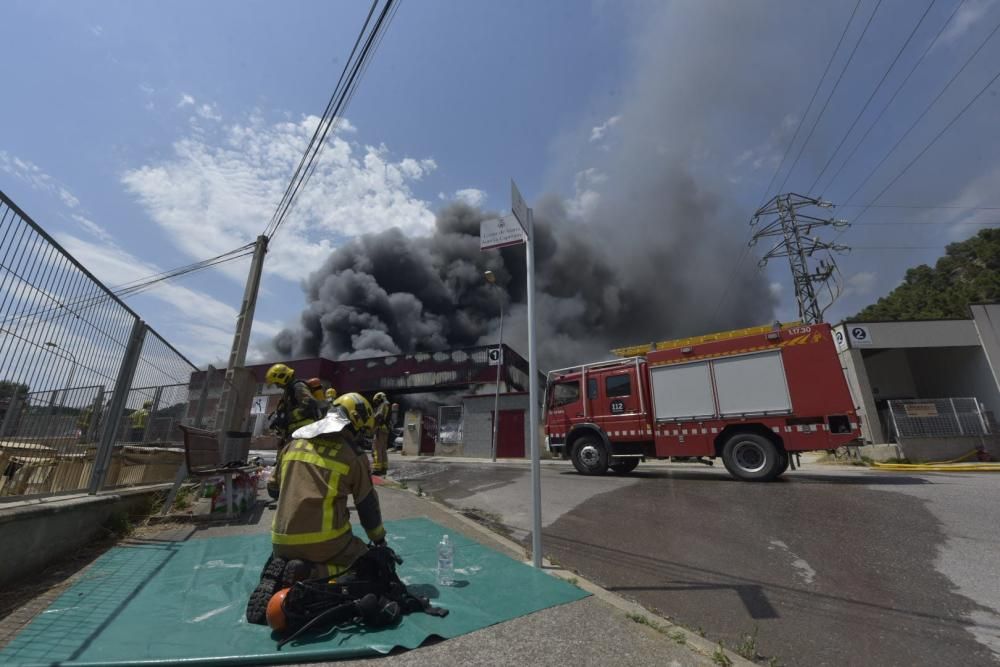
270, 582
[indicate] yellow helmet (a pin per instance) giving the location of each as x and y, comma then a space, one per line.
380, 397
356, 408
331, 394
279, 374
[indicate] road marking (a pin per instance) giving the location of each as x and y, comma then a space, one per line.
804, 570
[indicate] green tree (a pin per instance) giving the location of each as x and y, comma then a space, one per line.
969, 272
9, 389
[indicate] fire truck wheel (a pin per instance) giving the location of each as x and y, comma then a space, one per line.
623, 467
752, 458
589, 456
784, 463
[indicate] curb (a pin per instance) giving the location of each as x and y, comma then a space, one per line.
692, 640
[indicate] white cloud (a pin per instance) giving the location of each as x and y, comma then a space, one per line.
775, 288
587, 194
209, 112
96, 30
597, 133
36, 177
146, 88
186, 100
217, 193
471, 196
93, 228
201, 326
861, 283
968, 15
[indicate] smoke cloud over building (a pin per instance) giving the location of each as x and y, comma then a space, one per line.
642, 251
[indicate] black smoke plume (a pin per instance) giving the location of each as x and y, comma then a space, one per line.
643, 251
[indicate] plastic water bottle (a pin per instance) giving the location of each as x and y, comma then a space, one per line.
446, 562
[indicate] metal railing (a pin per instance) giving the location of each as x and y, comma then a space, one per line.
90, 396
937, 418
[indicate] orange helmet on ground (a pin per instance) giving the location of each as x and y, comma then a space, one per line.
276, 618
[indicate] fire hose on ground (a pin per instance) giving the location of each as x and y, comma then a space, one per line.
952, 465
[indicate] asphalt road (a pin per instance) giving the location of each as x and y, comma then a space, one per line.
829, 566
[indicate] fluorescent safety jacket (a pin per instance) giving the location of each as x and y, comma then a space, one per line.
312, 521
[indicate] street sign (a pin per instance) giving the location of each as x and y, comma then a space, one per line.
496, 356
518, 207
500, 233
259, 405
840, 338
860, 335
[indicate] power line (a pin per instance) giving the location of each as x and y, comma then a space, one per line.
933, 141
922, 206
819, 84
344, 90
878, 87
934, 222
892, 98
919, 118
798, 128
830, 96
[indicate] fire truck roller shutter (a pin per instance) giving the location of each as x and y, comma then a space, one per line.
589, 449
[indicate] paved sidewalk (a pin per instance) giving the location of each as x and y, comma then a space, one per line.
599, 630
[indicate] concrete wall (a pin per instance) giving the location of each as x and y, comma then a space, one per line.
955, 372
37, 533
930, 333
890, 374
987, 320
477, 422
858, 382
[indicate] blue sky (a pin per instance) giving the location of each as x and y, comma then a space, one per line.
147, 135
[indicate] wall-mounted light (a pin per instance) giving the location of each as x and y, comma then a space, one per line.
686, 350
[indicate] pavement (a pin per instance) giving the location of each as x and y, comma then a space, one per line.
599, 630
829, 565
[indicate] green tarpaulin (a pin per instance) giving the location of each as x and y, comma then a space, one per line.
168, 602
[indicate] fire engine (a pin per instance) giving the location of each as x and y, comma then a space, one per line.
752, 397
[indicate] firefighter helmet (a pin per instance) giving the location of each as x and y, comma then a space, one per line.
331, 394
380, 397
279, 374
357, 409
275, 615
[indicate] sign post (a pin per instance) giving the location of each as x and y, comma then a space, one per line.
499, 233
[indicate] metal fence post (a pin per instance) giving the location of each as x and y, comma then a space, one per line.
123, 383
10, 418
954, 412
147, 431
96, 410
199, 416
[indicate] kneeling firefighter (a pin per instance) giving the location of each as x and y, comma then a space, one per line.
312, 542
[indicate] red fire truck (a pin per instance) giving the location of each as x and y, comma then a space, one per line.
752, 397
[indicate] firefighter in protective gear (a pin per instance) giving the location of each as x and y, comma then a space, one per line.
296, 409
311, 534
138, 421
331, 395
380, 444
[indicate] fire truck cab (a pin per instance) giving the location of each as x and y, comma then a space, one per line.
751, 397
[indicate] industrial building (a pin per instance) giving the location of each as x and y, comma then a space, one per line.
931, 385
464, 428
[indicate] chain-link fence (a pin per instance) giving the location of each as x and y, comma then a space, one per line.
89, 395
937, 418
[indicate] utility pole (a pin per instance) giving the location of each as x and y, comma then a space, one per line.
781, 217
225, 419
492, 280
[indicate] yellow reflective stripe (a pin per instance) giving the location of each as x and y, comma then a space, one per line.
310, 538
332, 569
376, 533
316, 460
